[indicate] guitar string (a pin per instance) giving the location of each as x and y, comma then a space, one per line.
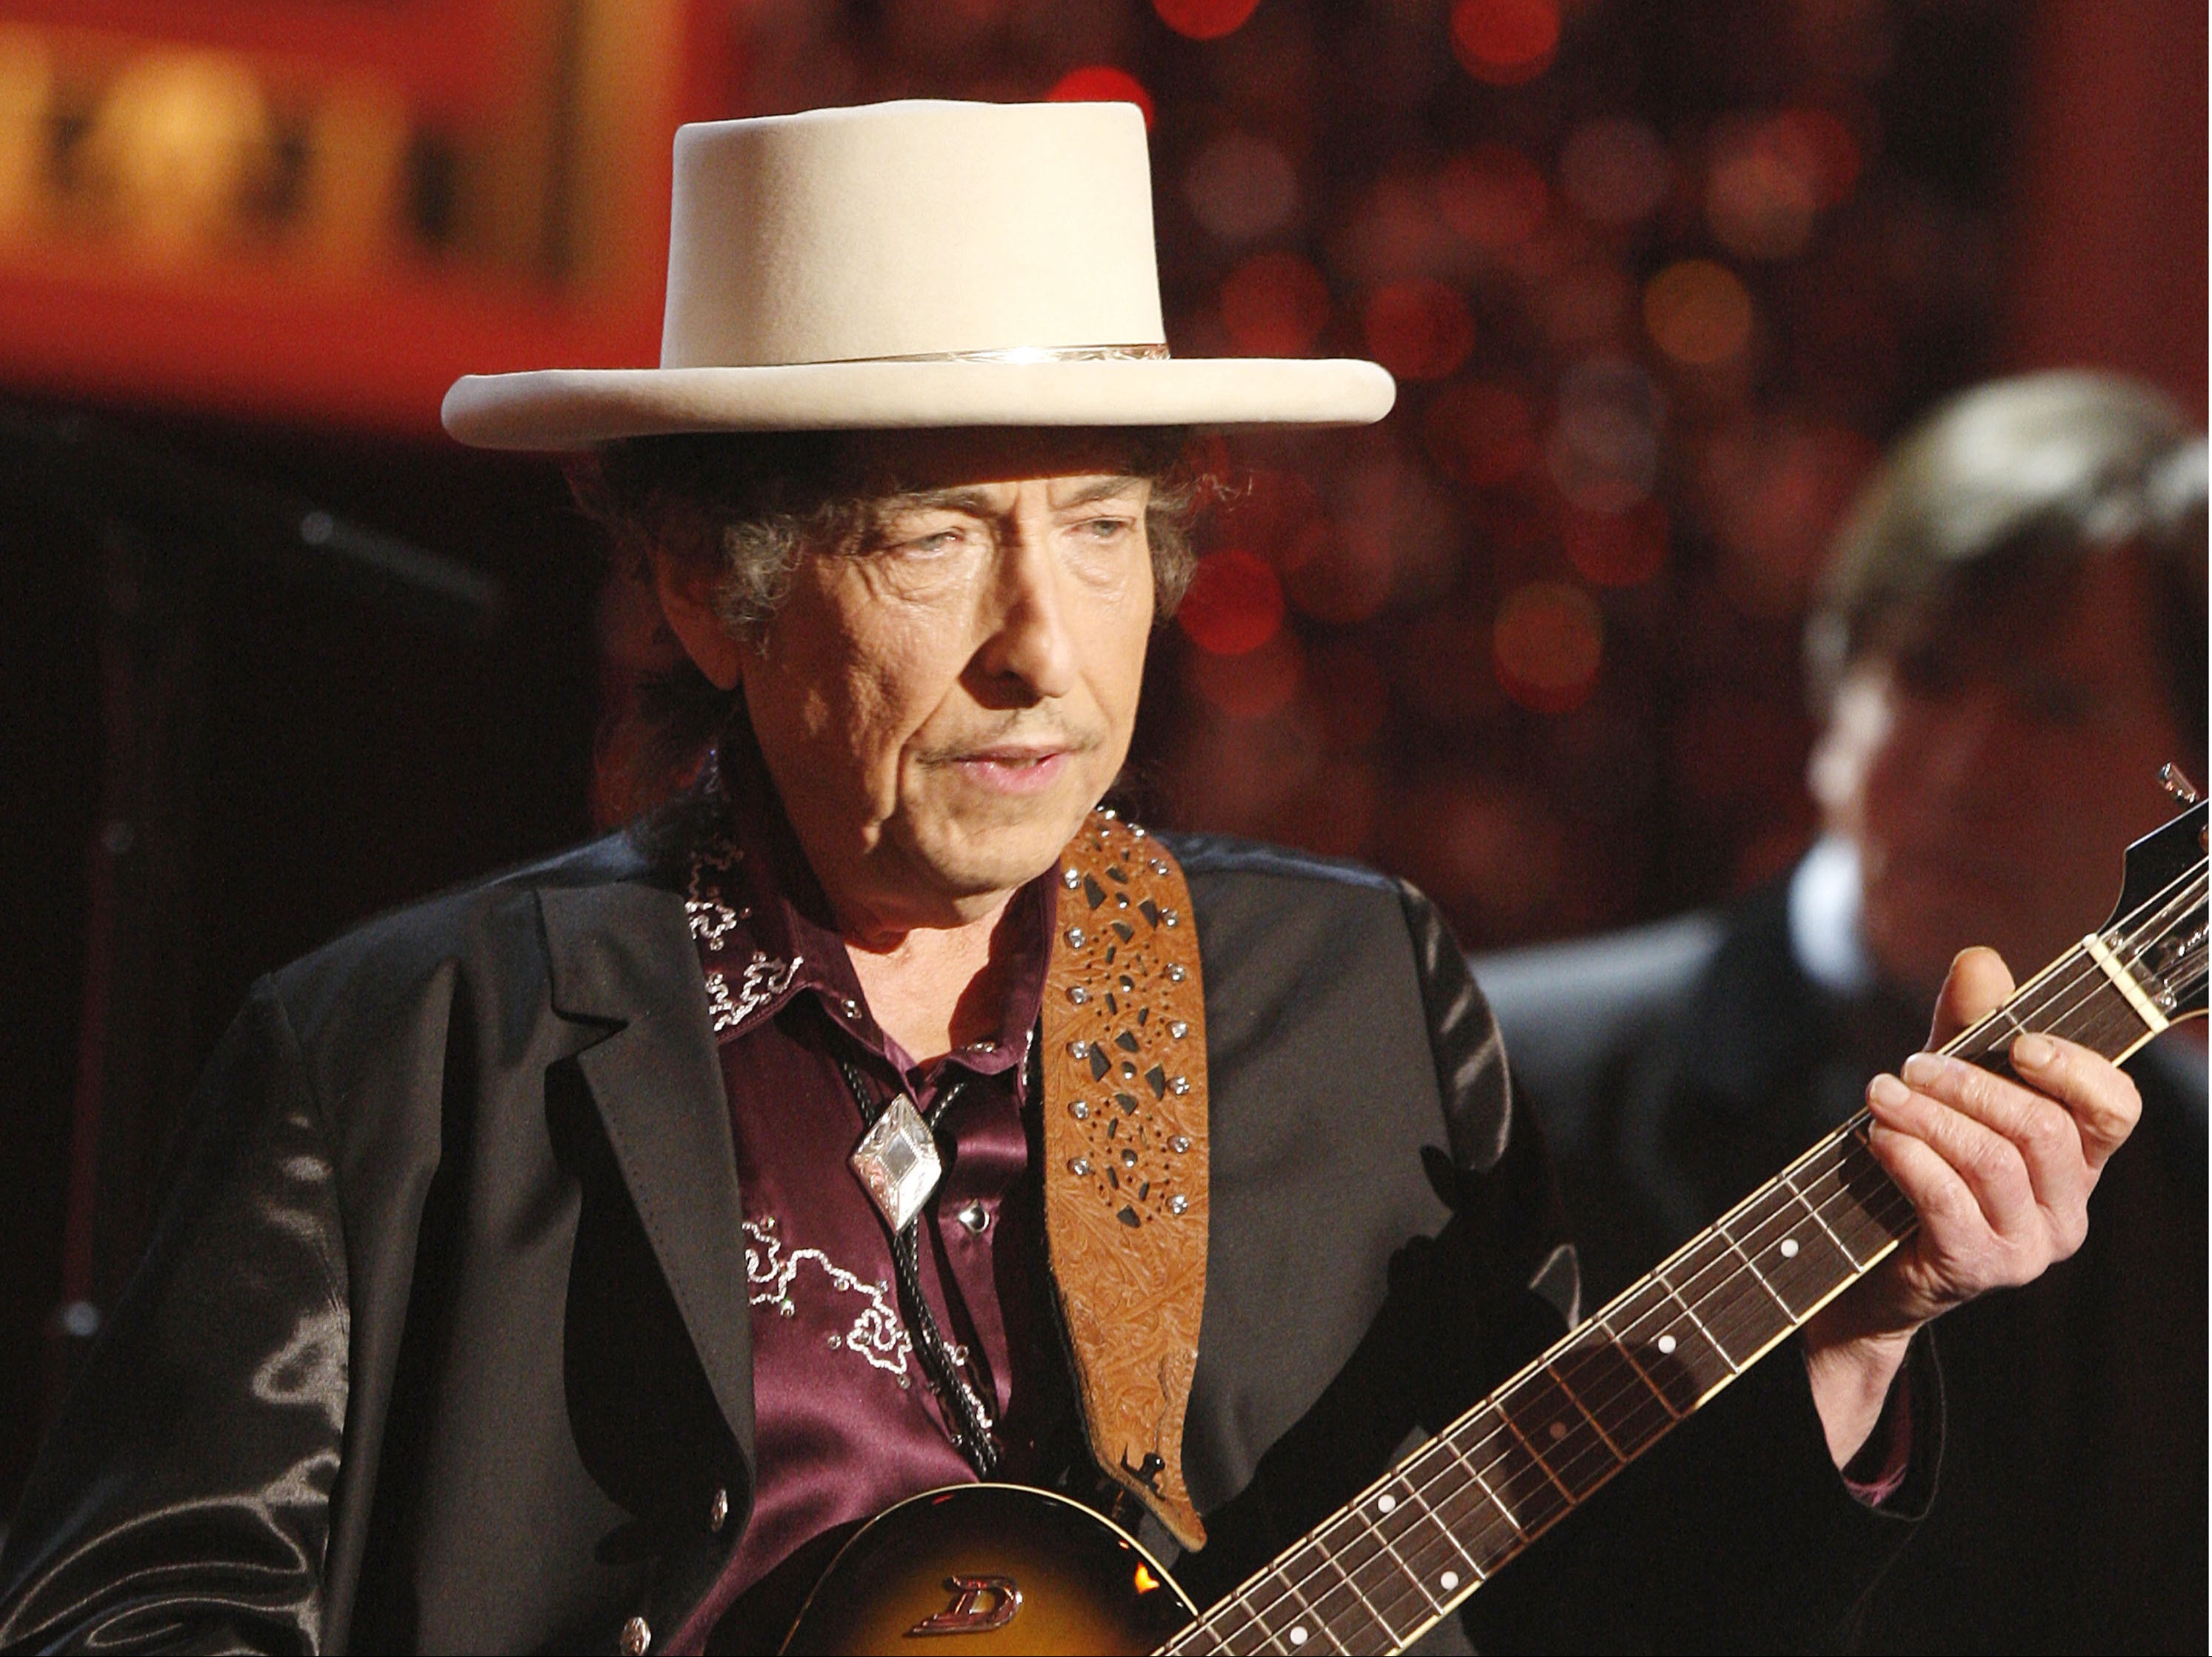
1410, 1473
1749, 1220
1634, 1381
1417, 1557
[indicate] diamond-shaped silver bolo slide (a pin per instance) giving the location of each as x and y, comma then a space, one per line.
897, 1160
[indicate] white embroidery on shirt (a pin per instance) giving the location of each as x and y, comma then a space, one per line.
877, 1333
712, 920
764, 980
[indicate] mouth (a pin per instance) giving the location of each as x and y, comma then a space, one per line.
1012, 769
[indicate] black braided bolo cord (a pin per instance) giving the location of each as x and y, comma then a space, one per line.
973, 1439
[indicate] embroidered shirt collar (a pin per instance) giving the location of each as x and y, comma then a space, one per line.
764, 934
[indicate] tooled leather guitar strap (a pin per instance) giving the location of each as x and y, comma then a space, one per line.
1125, 1189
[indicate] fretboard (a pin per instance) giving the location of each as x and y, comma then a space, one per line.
1413, 1546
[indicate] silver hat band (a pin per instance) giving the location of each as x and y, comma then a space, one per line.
1038, 354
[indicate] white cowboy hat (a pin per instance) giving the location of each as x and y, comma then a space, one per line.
920, 264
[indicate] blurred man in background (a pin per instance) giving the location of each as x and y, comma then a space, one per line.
2010, 643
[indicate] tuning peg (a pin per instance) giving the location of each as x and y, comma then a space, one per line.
2176, 785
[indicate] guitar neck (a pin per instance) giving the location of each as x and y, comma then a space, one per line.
1417, 1542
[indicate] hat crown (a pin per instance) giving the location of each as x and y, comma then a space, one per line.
918, 228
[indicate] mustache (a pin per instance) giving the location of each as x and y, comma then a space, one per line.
1024, 732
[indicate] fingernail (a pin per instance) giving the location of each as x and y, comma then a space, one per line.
2034, 1050
1922, 1069
1885, 1090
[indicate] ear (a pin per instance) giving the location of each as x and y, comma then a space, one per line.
687, 599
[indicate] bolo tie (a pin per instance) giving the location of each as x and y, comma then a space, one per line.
897, 1160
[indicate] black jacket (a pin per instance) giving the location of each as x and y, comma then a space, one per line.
443, 1340
1675, 1067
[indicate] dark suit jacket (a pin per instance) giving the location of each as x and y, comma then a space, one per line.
443, 1342
1675, 1067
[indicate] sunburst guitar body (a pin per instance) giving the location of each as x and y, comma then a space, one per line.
991, 1568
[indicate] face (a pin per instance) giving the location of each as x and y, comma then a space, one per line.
941, 705
1993, 769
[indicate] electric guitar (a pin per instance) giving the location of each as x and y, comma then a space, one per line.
1000, 1568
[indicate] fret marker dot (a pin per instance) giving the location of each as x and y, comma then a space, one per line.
1789, 1248
1298, 1634
1448, 1581
1666, 1343
1559, 1430
1385, 1503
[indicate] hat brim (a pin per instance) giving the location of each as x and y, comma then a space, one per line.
555, 409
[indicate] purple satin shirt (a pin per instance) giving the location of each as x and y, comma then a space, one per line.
846, 1421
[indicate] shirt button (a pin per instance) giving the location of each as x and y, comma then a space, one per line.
718, 1512
636, 1635
852, 1008
983, 1047
975, 1217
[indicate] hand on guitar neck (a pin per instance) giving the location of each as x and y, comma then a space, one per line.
1999, 1169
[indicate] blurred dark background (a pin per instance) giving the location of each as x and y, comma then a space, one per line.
1658, 277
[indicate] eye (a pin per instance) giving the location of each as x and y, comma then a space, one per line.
1106, 529
930, 544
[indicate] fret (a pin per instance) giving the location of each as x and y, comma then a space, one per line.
1322, 1595
1486, 1533
1236, 1629
1417, 1538
1855, 1200
1518, 1480
1293, 1610
1560, 1433
1743, 1316
1856, 1262
1372, 1573
1663, 1337
1596, 1368
1497, 1535
1792, 1252
1386, 1582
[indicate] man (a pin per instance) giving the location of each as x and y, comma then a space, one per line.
2011, 643
572, 1260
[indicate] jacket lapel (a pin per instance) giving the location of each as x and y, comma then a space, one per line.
621, 953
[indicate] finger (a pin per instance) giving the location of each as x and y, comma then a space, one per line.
1978, 984
1944, 1205
2101, 1096
1988, 1163
2042, 1132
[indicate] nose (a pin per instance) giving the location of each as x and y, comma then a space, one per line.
1027, 654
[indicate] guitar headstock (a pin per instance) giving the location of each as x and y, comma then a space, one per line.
2159, 921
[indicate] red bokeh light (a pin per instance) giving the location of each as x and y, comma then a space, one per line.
1616, 549
1698, 312
1825, 146
1274, 305
1277, 514
1493, 195
1251, 686
1548, 642
1205, 20
1235, 604
1481, 435
1102, 83
1350, 698
1419, 330
1506, 42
